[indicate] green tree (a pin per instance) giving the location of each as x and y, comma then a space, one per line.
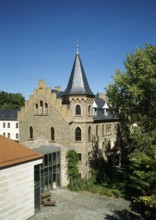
11, 100
133, 97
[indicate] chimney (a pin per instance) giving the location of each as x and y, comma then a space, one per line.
58, 88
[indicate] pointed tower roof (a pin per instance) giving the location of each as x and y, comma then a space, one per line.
78, 84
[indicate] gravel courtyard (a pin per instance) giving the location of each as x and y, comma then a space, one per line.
85, 206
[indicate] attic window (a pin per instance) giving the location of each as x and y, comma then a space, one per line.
106, 112
94, 111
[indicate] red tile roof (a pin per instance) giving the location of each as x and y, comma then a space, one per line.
12, 153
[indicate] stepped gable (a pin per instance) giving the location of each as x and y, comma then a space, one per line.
78, 84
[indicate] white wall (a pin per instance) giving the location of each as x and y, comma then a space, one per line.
12, 130
17, 191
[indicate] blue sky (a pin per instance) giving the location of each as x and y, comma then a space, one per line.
38, 40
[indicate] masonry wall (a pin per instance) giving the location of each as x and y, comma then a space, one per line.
17, 191
63, 119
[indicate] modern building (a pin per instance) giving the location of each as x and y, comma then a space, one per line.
74, 119
51, 167
8, 124
20, 184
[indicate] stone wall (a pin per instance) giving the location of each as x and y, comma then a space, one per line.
63, 119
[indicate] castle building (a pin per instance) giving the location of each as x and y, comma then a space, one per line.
73, 119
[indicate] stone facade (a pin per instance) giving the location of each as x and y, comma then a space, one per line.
49, 114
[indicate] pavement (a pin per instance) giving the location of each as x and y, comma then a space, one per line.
85, 206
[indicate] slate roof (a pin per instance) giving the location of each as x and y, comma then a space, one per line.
58, 93
78, 84
13, 153
100, 111
8, 115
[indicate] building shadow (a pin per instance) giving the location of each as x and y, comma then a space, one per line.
123, 215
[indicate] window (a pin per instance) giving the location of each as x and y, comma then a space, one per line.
16, 136
8, 125
16, 125
3, 124
78, 110
52, 131
79, 157
36, 109
96, 130
94, 111
8, 135
89, 110
103, 129
77, 134
4, 134
46, 108
116, 128
108, 129
41, 107
106, 112
89, 133
31, 132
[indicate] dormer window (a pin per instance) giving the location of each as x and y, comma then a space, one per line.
94, 111
78, 110
94, 106
105, 108
106, 112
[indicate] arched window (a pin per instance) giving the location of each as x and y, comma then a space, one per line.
46, 108
78, 110
89, 133
36, 108
89, 110
31, 132
103, 130
52, 131
77, 134
41, 107
96, 130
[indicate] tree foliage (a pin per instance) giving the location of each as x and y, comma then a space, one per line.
72, 169
133, 97
11, 100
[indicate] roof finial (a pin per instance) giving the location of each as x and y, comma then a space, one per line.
77, 47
